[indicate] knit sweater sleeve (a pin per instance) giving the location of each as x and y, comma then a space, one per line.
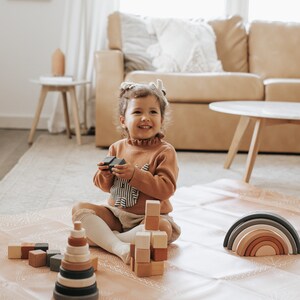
162, 184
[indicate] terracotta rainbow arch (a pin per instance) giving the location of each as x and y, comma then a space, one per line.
261, 234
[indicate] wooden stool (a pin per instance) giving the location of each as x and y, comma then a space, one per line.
63, 88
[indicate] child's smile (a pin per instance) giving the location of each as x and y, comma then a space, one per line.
142, 118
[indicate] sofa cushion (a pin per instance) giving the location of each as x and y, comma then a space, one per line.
134, 40
232, 43
274, 49
205, 87
183, 46
282, 89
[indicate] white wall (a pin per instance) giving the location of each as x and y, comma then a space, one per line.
30, 32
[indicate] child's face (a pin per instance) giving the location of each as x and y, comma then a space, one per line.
143, 118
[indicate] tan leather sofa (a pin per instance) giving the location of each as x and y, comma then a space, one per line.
260, 63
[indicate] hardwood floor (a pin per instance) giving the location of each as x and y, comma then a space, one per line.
13, 144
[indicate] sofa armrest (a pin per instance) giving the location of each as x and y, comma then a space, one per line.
109, 66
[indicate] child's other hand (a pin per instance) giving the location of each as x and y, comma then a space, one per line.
104, 169
123, 171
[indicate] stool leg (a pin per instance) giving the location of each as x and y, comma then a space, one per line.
41, 102
66, 113
75, 114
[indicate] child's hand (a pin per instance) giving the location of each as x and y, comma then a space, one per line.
104, 169
123, 171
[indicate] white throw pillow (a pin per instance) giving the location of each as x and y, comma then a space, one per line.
183, 46
135, 41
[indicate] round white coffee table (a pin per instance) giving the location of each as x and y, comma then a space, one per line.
264, 113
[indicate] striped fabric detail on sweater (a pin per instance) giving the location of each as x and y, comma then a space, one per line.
124, 194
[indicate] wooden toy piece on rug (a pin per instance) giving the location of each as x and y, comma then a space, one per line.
50, 253
55, 262
21, 250
150, 249
262, 234
76, 278
37, 258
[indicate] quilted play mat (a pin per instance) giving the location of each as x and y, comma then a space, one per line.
208, 261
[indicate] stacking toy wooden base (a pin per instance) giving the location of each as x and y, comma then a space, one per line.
76, 278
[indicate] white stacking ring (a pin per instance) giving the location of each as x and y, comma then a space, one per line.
76, 283
77, 250
77, 258
78, 233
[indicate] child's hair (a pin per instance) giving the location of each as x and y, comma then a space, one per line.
131, 90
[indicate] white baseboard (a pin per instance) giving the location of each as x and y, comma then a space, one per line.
21, 122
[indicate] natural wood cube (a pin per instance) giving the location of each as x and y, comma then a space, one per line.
142, 240
132, 264
25, 248
152, 222
14, 250
159, 254
142, 269
132, 250
142, 255
37, 258
152, 208
159, 239
157, 267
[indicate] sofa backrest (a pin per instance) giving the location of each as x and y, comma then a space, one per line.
232, 43
274, 49
231, 40
114, 31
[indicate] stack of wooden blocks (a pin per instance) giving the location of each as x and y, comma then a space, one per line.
150, 249
38, 254
76, 277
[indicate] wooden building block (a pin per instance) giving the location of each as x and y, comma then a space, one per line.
94, 262
41, 246
49, 254
152, 208
142, 255
152, 222
37, 258
142, 240
159, 239
157, 267
142, 269
132, 263
132, 250
159, 254
55, 262
14, 250
25, 248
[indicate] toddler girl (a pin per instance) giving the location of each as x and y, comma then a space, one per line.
150, 172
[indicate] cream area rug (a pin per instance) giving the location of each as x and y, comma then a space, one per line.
55, 172
198, 266
36, 198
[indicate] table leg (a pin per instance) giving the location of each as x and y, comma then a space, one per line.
43, 94
66, 113
234, 147
75, 114
255, 141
